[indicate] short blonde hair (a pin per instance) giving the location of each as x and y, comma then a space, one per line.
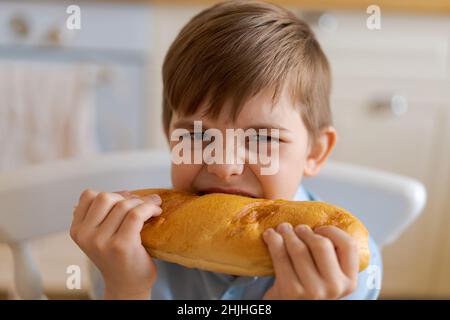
234, 50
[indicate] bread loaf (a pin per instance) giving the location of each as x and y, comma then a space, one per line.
223, 232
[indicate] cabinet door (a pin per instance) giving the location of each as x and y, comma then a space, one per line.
400, 136
442, 275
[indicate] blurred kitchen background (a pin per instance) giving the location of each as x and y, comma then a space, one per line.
70, 93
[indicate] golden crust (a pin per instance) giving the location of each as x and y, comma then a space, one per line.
223, 232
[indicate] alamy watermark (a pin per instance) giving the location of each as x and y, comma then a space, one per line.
373, 280
238, 147
73, 21
373, 21
73, 281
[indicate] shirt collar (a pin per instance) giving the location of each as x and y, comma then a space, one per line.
302, 194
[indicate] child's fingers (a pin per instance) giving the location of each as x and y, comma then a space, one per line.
346, 248
115, 218
85, 201
284, 272
323, 252
111, 224
152, 197
126, 194
100, 208
134, 220
156, 199
301, 258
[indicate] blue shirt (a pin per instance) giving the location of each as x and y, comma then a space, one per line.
178, 282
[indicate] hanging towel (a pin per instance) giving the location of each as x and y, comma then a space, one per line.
46, 112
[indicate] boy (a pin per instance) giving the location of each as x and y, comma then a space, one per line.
236, 65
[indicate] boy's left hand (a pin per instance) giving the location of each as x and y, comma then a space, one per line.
319, 264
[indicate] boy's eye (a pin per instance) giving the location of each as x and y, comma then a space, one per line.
202, 136
197, 135
264, 139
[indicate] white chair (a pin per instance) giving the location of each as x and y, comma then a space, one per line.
385, 202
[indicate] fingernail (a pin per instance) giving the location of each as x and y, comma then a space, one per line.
268, 232
302, 227
127, 194
122, 192
284, 227
156, 199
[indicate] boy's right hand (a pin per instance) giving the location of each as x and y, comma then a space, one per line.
106, 226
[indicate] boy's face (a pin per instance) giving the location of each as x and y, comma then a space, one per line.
294, 152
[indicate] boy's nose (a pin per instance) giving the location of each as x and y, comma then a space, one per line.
232, 158
225, 171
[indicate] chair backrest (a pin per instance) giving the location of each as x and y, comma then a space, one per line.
38, 200
386, 203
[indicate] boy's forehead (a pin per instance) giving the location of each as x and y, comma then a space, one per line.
258, 109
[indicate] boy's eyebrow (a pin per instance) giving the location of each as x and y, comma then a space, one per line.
186, 124
266, 126
189, 124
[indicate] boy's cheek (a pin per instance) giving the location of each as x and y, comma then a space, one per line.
283, 184
183, 175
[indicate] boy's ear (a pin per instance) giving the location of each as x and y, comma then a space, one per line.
319, 151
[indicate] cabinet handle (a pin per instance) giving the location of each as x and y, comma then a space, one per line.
59, 36
106, 75
19, 26
396, 105
54, 36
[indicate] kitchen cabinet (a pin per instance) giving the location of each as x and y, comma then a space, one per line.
391, 107
116, 55
411, 144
